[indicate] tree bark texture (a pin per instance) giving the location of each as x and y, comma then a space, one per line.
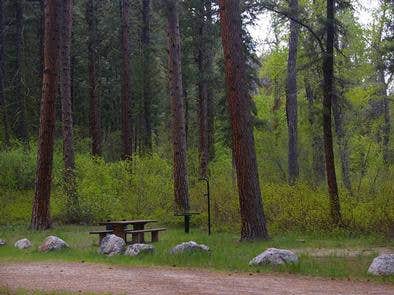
201, 36
94, 113
253, 224
339, 114
147, 94
328, 73
66, 22
314, 119
41, 214
291, 101
126, 122
21, 128
177, 108
3, 103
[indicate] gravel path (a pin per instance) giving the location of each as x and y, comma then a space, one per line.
98, 278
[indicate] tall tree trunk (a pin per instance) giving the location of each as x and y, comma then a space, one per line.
209, 68
147, 94
253, 224
177, 106
40, 214
386, 115
317, 139
3, 103
126, 123
328, 73
94, 116
66, 22
21, 128
291, 102
338, 113
203, 147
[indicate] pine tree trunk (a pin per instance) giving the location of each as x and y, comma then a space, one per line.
126, 123
338, 114
94, 116
253, 224
209, 67
3, 103
177, 107
328, 73
203, 147
21, 128
317, 139
66, 22
41, 213
147, 94
291, 102
386, 128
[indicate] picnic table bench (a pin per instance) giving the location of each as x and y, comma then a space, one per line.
119, 228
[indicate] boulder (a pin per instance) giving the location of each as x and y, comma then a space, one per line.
23, 244
190, 246
382, 265
2, 242
112, 245
53, 243
274, 256
136, 249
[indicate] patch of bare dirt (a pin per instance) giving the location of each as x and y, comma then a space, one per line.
83, 277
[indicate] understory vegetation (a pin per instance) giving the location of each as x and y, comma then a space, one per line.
108, 190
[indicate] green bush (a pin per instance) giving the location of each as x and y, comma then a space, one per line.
143, 189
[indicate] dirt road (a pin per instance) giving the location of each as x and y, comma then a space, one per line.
84, 277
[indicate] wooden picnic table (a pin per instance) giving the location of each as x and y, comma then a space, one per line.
119, 228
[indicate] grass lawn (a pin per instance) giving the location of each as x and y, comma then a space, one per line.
227, 253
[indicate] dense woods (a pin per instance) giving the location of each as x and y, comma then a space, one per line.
132, 102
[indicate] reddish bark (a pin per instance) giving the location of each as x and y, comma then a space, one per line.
66, 20
94, 116
177, 106
126, 122
41, 214
253, 225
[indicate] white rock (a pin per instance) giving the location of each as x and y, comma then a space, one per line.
274, 256
112, 245
23, 244
2, 242
382, 265
53, 243
136, 249
190, 246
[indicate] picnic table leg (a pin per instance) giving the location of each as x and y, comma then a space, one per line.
155, 236
187, 223
139, 237
118, 230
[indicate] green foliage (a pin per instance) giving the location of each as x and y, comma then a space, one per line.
143, 189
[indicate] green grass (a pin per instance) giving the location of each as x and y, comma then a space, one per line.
227, 253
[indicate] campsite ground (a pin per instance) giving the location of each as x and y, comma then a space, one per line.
340, 255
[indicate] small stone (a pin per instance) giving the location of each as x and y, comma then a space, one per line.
23, 244
274, 256
112, 245
53, 243
2, 243
382, 265
190, 246
136, 249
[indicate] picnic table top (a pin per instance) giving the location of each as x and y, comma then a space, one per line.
142, 221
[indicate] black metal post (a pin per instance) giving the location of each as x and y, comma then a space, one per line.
207, 194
